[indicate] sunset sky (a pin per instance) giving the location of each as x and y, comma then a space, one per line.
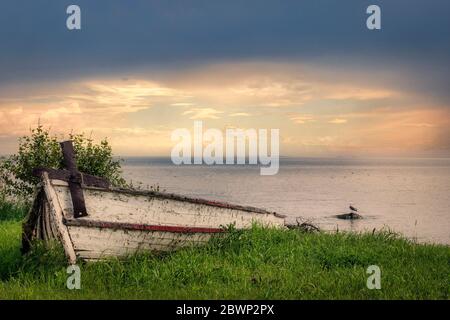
138, 70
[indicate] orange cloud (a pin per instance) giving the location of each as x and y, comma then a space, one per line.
139, 114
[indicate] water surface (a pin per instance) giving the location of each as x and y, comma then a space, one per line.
411, 196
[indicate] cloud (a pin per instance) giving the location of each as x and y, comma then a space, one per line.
339, 92
338, 121
240, 114
307, 103
182, 104
124, 97
79, 105
266, 84
302, 119
163, 35
203, 113
420, 125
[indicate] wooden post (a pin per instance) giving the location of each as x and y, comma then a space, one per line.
75, 180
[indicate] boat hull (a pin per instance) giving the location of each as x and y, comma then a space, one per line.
99, 243
123, 222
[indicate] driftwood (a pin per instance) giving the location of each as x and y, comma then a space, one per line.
304, 226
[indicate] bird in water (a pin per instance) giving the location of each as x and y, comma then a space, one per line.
351, 215
353, 212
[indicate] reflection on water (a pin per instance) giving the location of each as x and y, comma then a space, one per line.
411, 196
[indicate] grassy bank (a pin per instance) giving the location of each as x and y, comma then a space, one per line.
255, 264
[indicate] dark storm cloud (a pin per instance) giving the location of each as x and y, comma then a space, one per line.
122, 36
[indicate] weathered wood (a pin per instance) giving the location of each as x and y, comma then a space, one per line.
137, 226
122, 222
50, 229
75, 180
46, 223
98, 243
30, 224
56, 211
39, 234
176, 197
119, 207
64, 175
68, 155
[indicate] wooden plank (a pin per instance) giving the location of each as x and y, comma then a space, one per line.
135, 226
75, 180
126, 208
97, 243
69, 156
31, 221
46, 224
101, 239
39, 234
64, 175
55, 210
52, 224
171, 196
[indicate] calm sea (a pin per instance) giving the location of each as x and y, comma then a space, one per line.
410, 196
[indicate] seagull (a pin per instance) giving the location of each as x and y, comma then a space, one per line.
353, 208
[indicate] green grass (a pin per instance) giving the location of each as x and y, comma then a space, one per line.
255, 264
10, 211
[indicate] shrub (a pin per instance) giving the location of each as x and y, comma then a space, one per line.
41, 149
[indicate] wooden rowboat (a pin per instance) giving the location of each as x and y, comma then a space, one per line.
94, 221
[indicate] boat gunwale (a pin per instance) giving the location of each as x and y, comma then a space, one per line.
80, 222
175, 197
